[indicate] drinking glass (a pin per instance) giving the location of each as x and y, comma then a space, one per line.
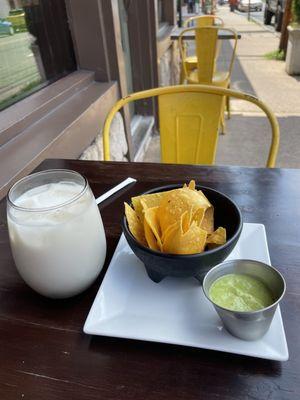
56, 232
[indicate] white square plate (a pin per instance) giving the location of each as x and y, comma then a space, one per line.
129, 305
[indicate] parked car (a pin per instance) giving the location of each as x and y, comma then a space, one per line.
6, 27
276, 8
255, 5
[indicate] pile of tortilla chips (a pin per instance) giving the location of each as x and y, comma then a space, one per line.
180, 221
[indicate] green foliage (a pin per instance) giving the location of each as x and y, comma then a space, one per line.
16, 11
277, 55
18, 22
296, 11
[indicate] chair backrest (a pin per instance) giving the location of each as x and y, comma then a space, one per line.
189, 118
206, 52
203, 20
200, 22
206, 39
188, 123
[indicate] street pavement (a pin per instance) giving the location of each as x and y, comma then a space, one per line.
248, 133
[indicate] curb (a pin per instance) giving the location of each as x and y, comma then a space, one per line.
265, 27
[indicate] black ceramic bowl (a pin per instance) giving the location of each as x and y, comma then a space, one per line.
159, 265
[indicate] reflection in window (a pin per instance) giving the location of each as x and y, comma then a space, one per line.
162, 24
160, 11
35, 47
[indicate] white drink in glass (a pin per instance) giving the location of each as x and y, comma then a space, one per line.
56, 232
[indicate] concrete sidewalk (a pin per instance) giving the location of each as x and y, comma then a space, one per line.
248, 133
266, 79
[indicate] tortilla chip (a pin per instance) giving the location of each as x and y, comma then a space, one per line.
192, 185
175, 203
186, 220
148, 200
191, 242
208, 220
150, 217
198, 216
135, 224
166, 231
179, 221
150, 237
217, 238
205, 201
182, 226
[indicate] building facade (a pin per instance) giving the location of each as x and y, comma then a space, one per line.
87, 54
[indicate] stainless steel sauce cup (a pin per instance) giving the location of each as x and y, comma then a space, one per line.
247, 325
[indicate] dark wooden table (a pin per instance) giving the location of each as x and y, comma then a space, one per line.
45, 355
223, 35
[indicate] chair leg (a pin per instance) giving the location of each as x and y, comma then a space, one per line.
182, 78
222, 123
228, 104
228, 107
222, 120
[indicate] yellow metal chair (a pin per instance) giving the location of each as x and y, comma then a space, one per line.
189, 117
206, 73
206, 39
200, 22
203, 20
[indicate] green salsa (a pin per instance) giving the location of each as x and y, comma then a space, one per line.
238, 292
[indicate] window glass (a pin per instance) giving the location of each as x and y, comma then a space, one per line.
35, 47
160, 11
162, 24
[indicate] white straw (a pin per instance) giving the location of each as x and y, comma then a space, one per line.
114, 190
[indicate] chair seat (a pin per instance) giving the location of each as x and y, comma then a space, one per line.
220, 78
191, 60
190, 63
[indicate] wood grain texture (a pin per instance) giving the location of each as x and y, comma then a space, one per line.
45, 355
